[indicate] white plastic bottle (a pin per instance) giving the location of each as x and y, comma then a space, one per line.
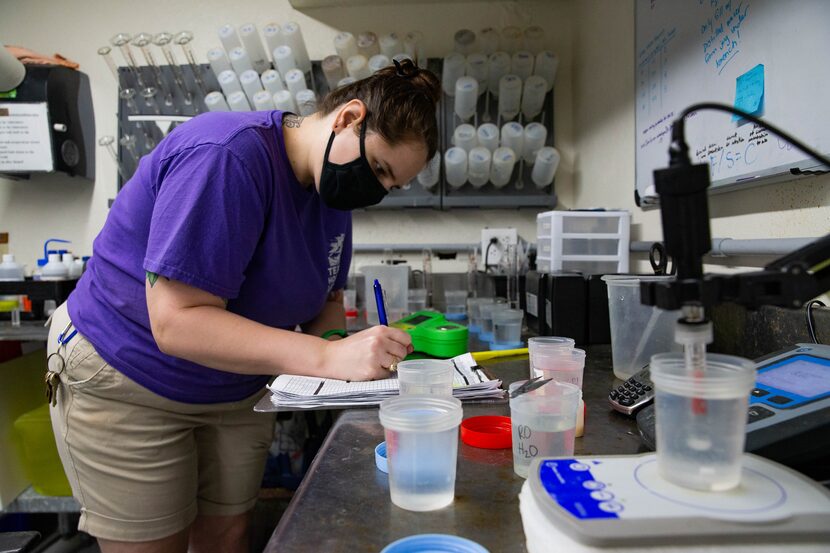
54, 269
10, 270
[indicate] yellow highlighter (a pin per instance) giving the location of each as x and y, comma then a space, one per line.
485, 355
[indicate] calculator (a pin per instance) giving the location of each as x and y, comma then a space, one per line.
633, 394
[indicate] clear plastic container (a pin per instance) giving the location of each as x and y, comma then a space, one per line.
637, 331
485, 320
544, 424
422, 450
416, 300
474, 314
701, 419
565, 365
394, 279
431, 377
455, 304
540, 347
585, 246
507, 329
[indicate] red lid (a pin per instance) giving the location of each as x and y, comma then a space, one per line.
488, 432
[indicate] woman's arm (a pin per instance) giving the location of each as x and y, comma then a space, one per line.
193, 324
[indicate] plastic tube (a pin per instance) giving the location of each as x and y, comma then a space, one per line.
333, 70
478, 166
501, 168
378, 62
238, 101
273, 36
464, 42
345, 45
454, 67
253, 45
455, 166
510, 96
534, 39
535, 135
390, 45
546, 65
488, 40
293, 36
521, 64
478, 67
512, 136
295, 81
511, 39
429, 175
367, 44
229, 38
284, 100
229, 82
488, 136
346, 81
533, 96
240, 60
465, 137
358, 67
272, 81
215, 101
250, 84
284, 59
499, 66
218, 60
306, 102
544, 168
466, 97
413, 45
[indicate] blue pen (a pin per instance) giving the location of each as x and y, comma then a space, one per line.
381, 304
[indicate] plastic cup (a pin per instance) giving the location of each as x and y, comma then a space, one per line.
507, 329
421, 449
701, 419
546, 346
473, 305
416, 299
485, 320
455, 304
431, 377
566, 365
637, 331
544, 424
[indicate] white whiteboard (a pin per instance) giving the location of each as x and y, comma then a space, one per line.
691, 51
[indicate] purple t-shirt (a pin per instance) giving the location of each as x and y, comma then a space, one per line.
217, 206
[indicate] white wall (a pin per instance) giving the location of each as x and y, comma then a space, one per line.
59, 206
603, 81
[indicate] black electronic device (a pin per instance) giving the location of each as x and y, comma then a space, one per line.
566, 306
599, 321
69, 119
789, 408
535, 296
632, 395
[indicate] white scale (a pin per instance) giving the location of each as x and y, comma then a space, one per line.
621, 501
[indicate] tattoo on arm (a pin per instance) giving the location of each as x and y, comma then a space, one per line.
292, 121
152, 278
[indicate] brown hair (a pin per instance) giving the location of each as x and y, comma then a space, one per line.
400, 102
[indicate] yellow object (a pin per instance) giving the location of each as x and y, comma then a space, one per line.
485, 355
40, 454
9, 305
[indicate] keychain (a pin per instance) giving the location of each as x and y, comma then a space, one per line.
52, 378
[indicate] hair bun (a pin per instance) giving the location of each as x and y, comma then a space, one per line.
422, 79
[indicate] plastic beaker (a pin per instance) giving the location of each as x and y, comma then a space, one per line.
544, 424
637, 331
421, 450
416, 300
485, 320
432, 377
566, 365
507, 329
473, 313
546, 346
455, 304
701, 419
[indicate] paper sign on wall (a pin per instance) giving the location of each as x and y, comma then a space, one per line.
749, 91
25, 141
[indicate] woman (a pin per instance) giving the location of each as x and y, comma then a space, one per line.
233, 232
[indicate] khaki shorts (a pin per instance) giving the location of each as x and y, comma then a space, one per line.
142, 466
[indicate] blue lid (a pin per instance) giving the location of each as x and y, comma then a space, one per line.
485, 336
433, 543
506, 345
380, 458
455, 316
475, 329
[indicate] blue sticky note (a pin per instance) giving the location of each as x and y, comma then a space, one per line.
749, 91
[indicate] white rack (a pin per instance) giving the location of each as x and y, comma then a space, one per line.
586, 241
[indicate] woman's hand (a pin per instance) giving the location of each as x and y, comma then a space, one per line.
366, 355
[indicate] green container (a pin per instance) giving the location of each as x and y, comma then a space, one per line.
41, 462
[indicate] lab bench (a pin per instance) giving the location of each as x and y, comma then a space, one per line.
343, 502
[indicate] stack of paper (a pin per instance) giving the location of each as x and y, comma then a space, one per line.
306, 392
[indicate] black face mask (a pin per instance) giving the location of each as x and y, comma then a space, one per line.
350, 185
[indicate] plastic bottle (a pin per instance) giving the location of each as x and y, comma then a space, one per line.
10, 270
54, 268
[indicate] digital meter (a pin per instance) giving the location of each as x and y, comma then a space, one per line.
433, 334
